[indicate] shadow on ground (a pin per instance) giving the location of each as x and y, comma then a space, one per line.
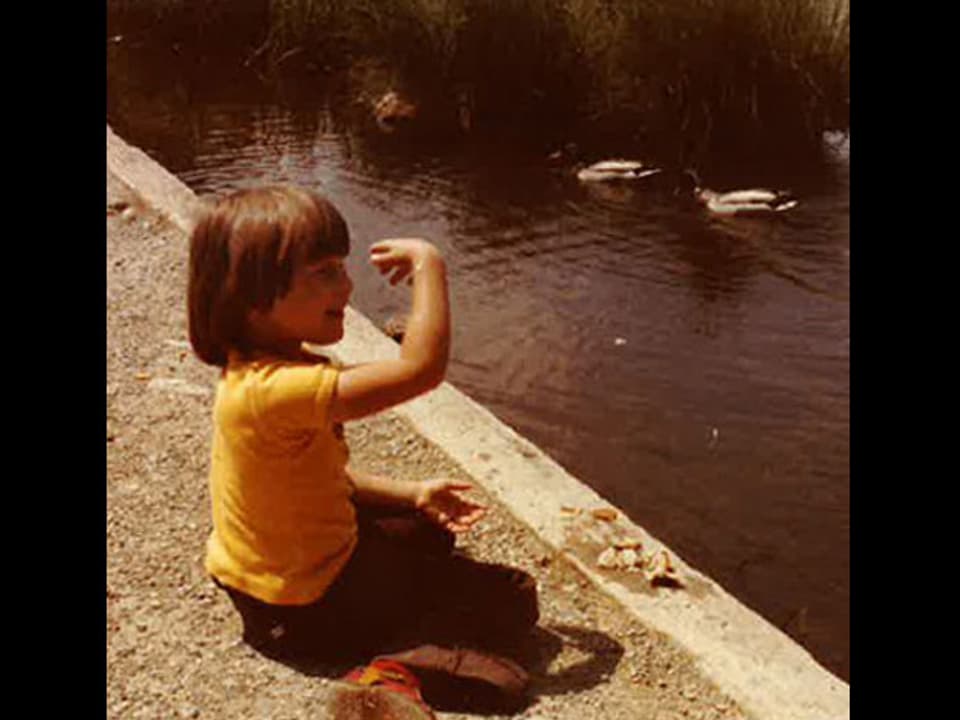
598, 656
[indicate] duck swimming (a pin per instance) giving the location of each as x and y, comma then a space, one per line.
753, 201
612, 170
391, 111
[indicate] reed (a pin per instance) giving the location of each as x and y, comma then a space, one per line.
686, 74
719, 71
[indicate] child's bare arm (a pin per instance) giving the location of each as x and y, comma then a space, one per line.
371, 387
378, 490
440, 500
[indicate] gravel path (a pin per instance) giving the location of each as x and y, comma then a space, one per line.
173, 645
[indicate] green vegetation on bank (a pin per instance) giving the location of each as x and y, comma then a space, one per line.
685, 74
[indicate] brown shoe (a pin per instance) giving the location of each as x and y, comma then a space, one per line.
464, 679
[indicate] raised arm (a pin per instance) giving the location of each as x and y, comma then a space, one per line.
371, 387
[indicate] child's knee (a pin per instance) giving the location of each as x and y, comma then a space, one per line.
413, 531
512, 596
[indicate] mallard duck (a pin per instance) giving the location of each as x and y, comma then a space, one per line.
611, 170
755, 200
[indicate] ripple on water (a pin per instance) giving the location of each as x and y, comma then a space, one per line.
739, 326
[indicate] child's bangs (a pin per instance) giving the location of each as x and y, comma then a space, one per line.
319, 232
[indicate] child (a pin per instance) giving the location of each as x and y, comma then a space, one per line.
311, 563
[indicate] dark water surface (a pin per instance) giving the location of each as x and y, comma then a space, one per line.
694, 371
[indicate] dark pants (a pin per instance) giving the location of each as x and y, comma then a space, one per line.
403, 586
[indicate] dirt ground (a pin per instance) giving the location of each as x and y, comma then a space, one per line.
173, 647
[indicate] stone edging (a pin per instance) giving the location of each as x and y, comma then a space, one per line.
763, 669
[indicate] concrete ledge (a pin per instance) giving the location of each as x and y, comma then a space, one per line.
759, 666
152, 182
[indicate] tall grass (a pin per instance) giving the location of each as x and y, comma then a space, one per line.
688, 75
718, 71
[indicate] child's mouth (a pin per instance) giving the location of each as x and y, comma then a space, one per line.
338, 314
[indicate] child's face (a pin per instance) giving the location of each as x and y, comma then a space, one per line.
312, 310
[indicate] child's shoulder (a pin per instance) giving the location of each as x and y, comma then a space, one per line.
263, 374
294, 387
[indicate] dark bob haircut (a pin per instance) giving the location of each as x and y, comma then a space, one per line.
243, 251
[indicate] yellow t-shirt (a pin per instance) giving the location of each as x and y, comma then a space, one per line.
283, 521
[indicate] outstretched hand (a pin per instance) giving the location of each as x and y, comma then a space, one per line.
439, 501
401, 257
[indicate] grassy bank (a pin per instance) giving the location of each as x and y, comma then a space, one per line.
685, 76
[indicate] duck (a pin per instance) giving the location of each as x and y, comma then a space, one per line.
392, 110
613, 170
752, 201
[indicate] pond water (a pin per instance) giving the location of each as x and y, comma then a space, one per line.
694, 371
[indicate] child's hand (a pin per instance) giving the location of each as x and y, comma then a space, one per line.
402, 256
438, 500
